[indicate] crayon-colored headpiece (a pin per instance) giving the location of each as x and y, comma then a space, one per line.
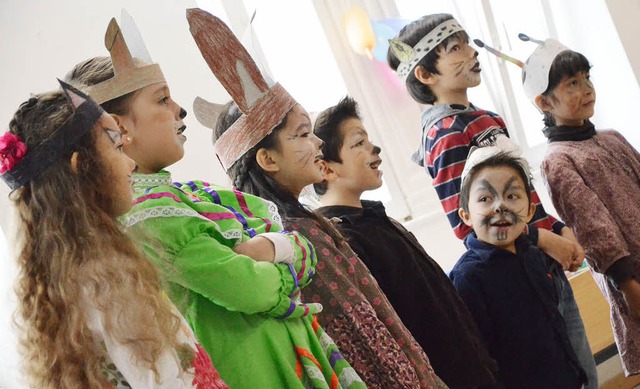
410, 56
132, 65
535, 73
19, 165
262, 107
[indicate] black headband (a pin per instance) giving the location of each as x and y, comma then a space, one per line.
36, 161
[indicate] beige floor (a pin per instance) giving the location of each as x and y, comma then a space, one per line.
610, 375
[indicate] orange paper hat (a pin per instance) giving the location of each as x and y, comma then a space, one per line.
263, 107
132, 65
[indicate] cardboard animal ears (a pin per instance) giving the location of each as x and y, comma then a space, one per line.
263, 107
132, 64
535, 71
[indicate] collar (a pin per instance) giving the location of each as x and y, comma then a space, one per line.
432, 115
143, 181
352, 214
569, 133
486, 251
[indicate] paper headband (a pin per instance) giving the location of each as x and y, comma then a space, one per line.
410, 56
263, 107
535, 71
503, 144
35, 162
132, 64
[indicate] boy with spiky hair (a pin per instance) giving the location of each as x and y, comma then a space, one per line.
505, 280
416, 286
433, 56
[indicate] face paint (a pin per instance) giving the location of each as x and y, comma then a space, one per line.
498, 206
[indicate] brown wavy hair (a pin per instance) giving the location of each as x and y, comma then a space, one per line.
74, 256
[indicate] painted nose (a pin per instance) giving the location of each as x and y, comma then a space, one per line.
500, 208
376, 149
183, 113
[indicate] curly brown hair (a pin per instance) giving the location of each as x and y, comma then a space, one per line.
74, 258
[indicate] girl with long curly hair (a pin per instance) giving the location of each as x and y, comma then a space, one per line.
92, 309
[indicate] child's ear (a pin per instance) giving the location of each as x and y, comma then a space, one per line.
532, 211
328, 172
123, 126
543, 103
466, 218
265, 159
74, 162
424, 76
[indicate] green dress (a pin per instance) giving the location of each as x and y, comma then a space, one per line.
246, 314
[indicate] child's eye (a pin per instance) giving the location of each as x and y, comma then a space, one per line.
119, 147
483, 199
513, 196
359, 143
164, 100
455, 48
305, 134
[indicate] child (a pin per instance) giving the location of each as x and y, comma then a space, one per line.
266, 144
440, 73
505, 281
234, 304
595, 205
92, 307
425, 300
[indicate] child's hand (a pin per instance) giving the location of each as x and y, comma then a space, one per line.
631, 291
257, 248
579, 251
566, 252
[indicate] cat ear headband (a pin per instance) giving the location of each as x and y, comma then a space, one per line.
263, 107
132, 64
410, 56
19, 165
535, 71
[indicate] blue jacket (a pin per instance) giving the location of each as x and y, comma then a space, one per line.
514, 303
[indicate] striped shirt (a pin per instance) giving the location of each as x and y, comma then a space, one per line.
449, 132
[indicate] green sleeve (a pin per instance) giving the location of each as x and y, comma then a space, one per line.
196, 239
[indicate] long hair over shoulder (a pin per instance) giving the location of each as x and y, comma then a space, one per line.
76, 263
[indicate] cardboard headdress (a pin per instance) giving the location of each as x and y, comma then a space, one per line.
132, 64
503, 144
410, 56
263, 107
35, 162
535, 71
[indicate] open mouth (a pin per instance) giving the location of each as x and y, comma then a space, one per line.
501, 223
375, 164
476, 68
319, 157
181, 129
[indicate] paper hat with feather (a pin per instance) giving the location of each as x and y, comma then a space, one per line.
535, 71
132, 64
263, 107
27, 165
410, 56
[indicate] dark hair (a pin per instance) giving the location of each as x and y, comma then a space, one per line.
94, 71
247, 176
327, 128
498, 160
566, 64
411, 35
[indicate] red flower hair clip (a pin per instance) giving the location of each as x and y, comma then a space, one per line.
12, 150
